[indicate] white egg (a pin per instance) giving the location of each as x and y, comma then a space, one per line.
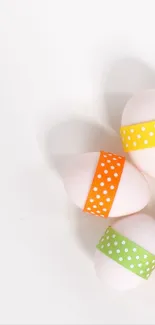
141, 108
131, 196
139, 228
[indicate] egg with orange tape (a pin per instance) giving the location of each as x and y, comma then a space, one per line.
125, 254
138, 130
104, 184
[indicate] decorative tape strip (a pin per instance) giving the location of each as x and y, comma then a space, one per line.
127, 253
105, 183
138, 136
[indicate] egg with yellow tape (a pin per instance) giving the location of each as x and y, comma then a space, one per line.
104, 184
125, 255
138, 130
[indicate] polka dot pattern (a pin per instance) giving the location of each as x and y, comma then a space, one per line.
138, 136
127, 253
104, 185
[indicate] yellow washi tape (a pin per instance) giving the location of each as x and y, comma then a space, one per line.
138, 136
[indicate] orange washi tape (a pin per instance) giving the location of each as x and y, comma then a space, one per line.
105, 184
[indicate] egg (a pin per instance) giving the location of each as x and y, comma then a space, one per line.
138, 110
140, 229
118, 189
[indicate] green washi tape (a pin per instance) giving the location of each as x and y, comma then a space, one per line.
127, 253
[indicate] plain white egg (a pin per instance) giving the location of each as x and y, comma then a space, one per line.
141, 108
139, 228
77, 173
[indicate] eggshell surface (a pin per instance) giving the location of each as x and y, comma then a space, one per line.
139, 228
141, 108
131, 196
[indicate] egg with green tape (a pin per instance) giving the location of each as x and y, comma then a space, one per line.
125, 255
138, 130
104, 184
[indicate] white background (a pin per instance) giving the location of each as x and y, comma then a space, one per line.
66, 71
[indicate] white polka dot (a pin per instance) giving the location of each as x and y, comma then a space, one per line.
131, 266
129, 138
104, 209
112, 167
107, 231
120, 259
109, 154
105, 171
113, 236
134, 143
98, 211
114, 158
88, 209
95, 189
148, 269
129, 258
141, 272
99, 175
94, 206
102, 164
143, 128
108, 161
118, 164
105, 156
124, 131
123, 242
153, 267
101, 203
109, 179
102, 239
115, 174
102, 215
107, 237
119, 157
145, 141
101, 184
108, 199
145, 256
115, 243
109, 252
112, 187
97, 196
140, 264
108, 244
105, 192
147, 263
134, 249
132, 130
153, 261
126, 250
138, 136
147, 275
117, 251
151, 134
126, 145
91, 200
102, 246
137, 257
